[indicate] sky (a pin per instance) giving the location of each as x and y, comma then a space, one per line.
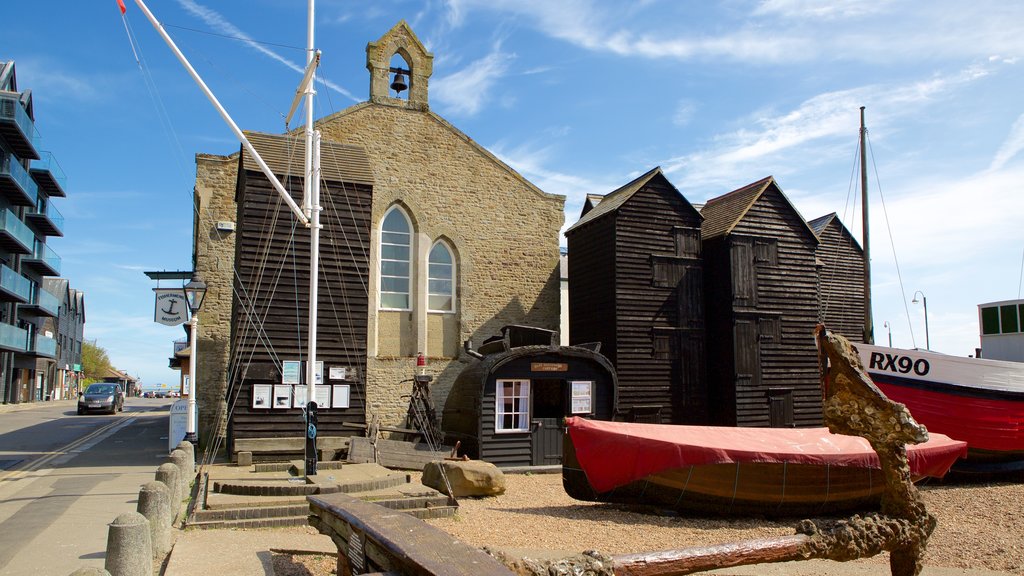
578, 96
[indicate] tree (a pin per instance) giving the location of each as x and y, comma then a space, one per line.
95, 362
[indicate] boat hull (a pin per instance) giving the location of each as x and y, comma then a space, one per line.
978, 401
792, 485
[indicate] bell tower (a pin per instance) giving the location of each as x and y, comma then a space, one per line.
389, 77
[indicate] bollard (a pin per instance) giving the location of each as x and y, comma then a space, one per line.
168, 474
128, 546
90, 571
190, 450
185, 472
155, 505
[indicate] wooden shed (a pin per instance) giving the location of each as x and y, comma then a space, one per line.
840, 278
508, 406
762, 305
270, 307
636, 285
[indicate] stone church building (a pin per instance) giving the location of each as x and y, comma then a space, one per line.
458, 244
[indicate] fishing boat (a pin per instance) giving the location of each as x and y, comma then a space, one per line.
977, 400
734, 471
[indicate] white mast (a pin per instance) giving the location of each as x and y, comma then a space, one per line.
311, 198
309, 214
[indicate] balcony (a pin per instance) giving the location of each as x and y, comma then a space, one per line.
49, 175
46, 219
42, 346
16, 128
14, 235
42, 304
15, 182
13, 339
14, 287
43, 260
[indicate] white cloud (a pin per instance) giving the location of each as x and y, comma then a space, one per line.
218, 22
466, 92
685, 110
824, 120
1012, 146
817, 10
776, 31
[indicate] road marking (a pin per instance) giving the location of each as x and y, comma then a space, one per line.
19, 472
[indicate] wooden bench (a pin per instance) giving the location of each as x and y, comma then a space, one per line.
330, 447
372, 538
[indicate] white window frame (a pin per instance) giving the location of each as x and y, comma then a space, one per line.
410, 262
521, 416
453, 279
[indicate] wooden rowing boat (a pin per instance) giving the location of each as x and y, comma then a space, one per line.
734, 471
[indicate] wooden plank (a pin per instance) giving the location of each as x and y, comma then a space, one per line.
287, 444
414, 547
393, 453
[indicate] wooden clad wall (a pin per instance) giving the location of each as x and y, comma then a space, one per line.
774, 311
659, 306
591, 263
841, 282
515, 448
272, 273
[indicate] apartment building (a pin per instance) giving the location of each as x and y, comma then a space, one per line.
29, 178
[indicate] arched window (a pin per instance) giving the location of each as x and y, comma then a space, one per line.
441, 279
395, 258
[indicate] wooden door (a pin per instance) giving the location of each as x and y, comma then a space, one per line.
546, 441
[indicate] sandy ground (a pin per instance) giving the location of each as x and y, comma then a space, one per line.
980, 526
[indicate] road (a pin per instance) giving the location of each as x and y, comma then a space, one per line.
64, 478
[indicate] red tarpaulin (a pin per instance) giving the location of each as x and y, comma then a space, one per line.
616, 453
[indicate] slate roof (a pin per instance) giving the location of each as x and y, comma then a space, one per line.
285, 155
819, 224
613, 201
723, 213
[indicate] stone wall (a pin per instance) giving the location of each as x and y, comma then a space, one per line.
503, 229
214, 261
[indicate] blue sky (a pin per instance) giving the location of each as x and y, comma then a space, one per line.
580, 96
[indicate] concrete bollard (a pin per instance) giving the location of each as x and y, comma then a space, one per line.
185, 472
91, 571
155, 505
190, 450
128, 546
168, 474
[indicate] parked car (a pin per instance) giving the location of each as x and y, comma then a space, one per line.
101, 397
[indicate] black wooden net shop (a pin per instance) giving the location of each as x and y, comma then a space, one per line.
507, 407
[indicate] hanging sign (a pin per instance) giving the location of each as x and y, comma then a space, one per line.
170, 307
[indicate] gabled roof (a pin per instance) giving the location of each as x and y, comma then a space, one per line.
446, 125
8, 79
285, 155
822, 222
722, 214
58, 287
590, 202
612, 202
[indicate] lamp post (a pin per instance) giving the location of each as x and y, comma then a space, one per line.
924, 301
889, 328
195, 290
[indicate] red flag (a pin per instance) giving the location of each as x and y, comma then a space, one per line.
120, 4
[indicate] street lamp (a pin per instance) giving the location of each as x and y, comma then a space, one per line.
195, 290
927, 342
889, 328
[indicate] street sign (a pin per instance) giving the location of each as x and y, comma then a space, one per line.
178, 423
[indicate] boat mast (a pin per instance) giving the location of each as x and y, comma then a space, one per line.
311, 202
869, 328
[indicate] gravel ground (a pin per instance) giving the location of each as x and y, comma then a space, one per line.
980, 525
